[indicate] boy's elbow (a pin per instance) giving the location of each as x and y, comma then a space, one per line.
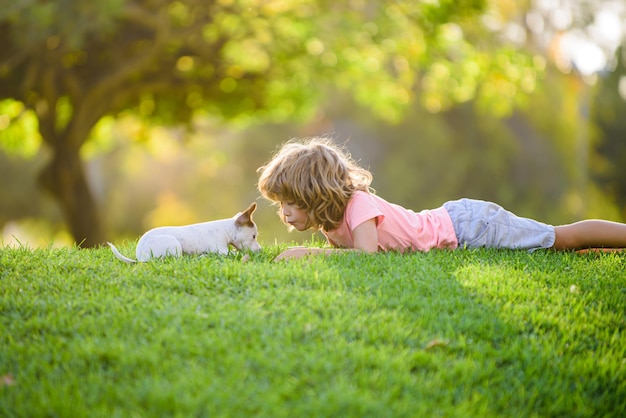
368, 249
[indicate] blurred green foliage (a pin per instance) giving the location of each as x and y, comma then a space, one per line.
18, 129
443, 103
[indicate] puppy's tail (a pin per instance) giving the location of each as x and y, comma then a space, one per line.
120, 256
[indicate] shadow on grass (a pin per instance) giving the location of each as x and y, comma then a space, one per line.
504, 333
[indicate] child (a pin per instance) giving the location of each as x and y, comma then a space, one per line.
317, 185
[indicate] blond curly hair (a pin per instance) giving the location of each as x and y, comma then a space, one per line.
316, 175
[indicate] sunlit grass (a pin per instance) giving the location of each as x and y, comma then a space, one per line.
464, 333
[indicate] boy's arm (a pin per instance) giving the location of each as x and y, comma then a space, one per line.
299, 252
365, 239
365, 236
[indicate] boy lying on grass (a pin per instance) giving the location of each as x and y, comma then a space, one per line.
318, 185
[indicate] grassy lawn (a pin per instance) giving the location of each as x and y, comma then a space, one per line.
454, 334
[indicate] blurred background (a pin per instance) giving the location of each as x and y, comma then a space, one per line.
117, 116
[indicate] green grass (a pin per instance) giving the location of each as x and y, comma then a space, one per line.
454, 334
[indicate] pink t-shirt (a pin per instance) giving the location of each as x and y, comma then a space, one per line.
398, 228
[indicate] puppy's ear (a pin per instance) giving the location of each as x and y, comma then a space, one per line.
245, 218
251, 208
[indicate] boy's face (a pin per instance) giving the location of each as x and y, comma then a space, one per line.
295, 216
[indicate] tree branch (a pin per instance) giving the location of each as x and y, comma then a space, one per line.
161, 28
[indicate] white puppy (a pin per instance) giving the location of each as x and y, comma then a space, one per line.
239, 231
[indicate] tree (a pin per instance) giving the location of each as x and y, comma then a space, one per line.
608, 110
71, 63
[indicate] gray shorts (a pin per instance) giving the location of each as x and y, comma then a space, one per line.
485, 224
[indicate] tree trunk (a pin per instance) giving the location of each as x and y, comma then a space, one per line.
64, 177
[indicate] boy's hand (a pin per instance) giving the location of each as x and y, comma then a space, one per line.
299, 252
296, 252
